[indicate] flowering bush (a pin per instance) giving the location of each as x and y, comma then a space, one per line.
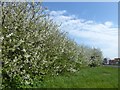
33, 46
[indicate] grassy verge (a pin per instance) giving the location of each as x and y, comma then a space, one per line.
98, 77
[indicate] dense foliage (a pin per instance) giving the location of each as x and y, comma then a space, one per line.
33, 46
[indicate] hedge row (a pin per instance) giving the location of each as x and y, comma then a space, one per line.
33, 46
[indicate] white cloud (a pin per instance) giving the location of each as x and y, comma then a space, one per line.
109, 24
102, 35
57, 13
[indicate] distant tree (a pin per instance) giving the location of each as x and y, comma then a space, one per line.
96, 58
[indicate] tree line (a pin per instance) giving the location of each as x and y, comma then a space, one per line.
33, 46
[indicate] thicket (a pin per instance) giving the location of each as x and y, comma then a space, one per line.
33, 47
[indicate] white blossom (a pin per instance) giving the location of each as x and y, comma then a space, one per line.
9, 35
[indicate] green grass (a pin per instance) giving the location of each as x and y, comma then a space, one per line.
98, 77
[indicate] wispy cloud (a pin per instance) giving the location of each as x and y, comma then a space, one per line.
102, 35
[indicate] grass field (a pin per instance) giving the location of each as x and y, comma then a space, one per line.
97, 77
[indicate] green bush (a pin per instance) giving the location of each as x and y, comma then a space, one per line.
33, 46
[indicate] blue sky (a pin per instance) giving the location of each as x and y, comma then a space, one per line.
90, 23
99, 12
